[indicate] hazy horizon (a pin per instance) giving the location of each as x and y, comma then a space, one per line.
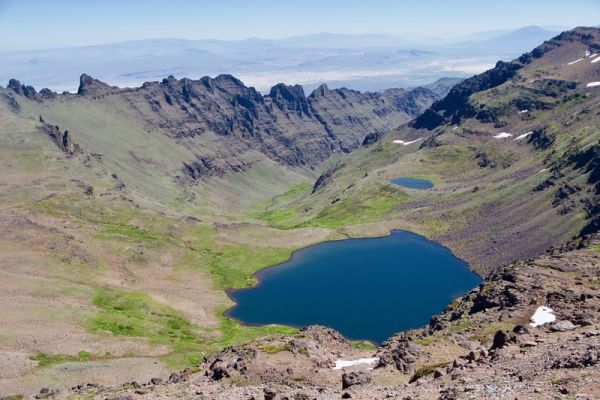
68, 23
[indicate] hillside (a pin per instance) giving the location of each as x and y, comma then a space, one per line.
124, 215
127, 213
182, 133
513, 153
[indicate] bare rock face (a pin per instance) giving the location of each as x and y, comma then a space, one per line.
27, 91
286, 125
206, 167
93, 87
230, 362
401, 352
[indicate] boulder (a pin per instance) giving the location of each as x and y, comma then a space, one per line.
501, 339
562, 326
355, 378
269, 393
400, 352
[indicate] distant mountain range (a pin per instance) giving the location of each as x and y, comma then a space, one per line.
363, 62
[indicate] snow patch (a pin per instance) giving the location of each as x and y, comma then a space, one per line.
543, 170
574, 62
523, 111
455, 128
593, 55
402, 142
503, 135
524, 135
595, 60
587, 53
339, 364
542, 315
593, 84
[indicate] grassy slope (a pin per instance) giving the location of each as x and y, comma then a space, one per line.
487, 215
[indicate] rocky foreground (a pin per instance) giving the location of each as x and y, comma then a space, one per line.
483, 346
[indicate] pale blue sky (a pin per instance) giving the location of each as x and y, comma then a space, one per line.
57, 23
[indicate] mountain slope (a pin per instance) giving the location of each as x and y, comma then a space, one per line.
123, 216
212, 128
126, 214
513, 153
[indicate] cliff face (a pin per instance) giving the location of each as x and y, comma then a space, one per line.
285, 125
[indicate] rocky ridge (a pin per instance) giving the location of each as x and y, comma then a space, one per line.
285, 125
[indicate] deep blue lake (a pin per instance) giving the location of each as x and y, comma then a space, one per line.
413, 183
365, 288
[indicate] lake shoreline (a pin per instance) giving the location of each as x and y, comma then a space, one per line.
260, 275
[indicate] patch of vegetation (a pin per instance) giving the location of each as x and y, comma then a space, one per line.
45, 360
282, 218
461, 325
427, 340
13, 397
571, 101
134, 314
362, 345
303, 351
370, 207
232, 265
427, 370
232, 332
271, 211
129, 231
454, 304
293, 192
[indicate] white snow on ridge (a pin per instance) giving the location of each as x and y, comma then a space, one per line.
402, 142
576, 61
593, 84
339, 364
542, 315
503, 135
595, 60
523, 111
524, 135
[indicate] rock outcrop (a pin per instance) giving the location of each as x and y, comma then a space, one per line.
63, 140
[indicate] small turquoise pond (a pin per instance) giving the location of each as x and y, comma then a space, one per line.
413, 183
365, 288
